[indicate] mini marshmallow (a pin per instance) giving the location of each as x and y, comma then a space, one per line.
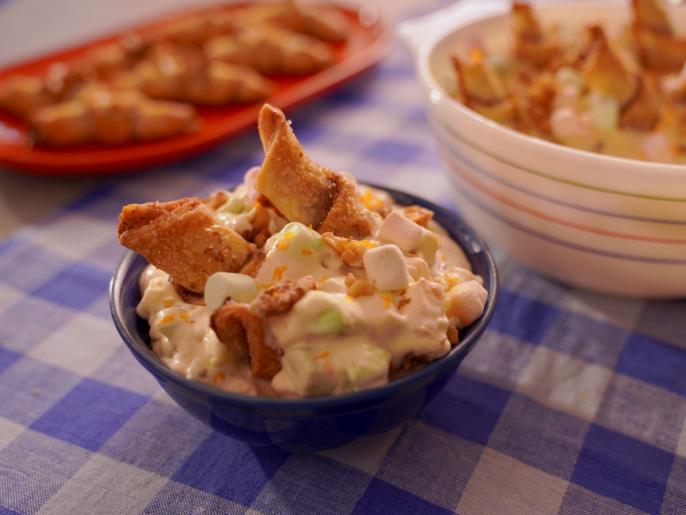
574, 129
402, 231
225, 285
465, 302
386, 268
462, 274
656, 148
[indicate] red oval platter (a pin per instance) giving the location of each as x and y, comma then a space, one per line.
369, 39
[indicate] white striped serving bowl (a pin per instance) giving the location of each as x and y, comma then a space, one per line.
589, 220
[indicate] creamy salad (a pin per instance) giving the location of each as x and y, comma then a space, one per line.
412, 295
621, 93
258, 295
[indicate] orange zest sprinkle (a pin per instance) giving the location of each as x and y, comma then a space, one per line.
282, 245
306, 252
168, 302
476, 55
324, 356
451, 280
166, 319
371, 201
387, 300
185, 317
278, 272
288, 235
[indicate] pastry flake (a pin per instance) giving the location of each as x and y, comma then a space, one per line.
101, 115
482, 89
183, 239
643, 112
303, 191
532, 44
605, 72
650, 15
660, 52
348, 217
22, 94
319, 22
278, 299
236, 325
271, 51
418, 214
299, 188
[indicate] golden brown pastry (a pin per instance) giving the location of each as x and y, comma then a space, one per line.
225, 83
660, 52
279, 299
63, 81
348, 217
650, 15
303, 191
299, 188
531, 43
101, 115
319, 22
166, 70
156, 119
107, 62
524, 23
643, 111
676, 127
239, 328
181, 74
534, 105
66, 123
657, 46
674, 86
482, 89
183, 239
418, 214
196, 29
21, 94
188, 30
214, 58
271, 51
604, 71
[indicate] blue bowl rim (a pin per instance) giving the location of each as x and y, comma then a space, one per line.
457, 229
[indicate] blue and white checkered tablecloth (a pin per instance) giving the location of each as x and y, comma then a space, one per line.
572, 402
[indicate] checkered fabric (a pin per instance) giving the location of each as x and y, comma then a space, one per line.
571, 403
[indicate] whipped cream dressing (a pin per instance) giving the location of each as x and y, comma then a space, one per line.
331, 342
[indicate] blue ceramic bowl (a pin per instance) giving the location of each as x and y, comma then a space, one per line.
313, 423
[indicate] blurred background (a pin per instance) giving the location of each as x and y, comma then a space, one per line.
31, 28
572, 397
